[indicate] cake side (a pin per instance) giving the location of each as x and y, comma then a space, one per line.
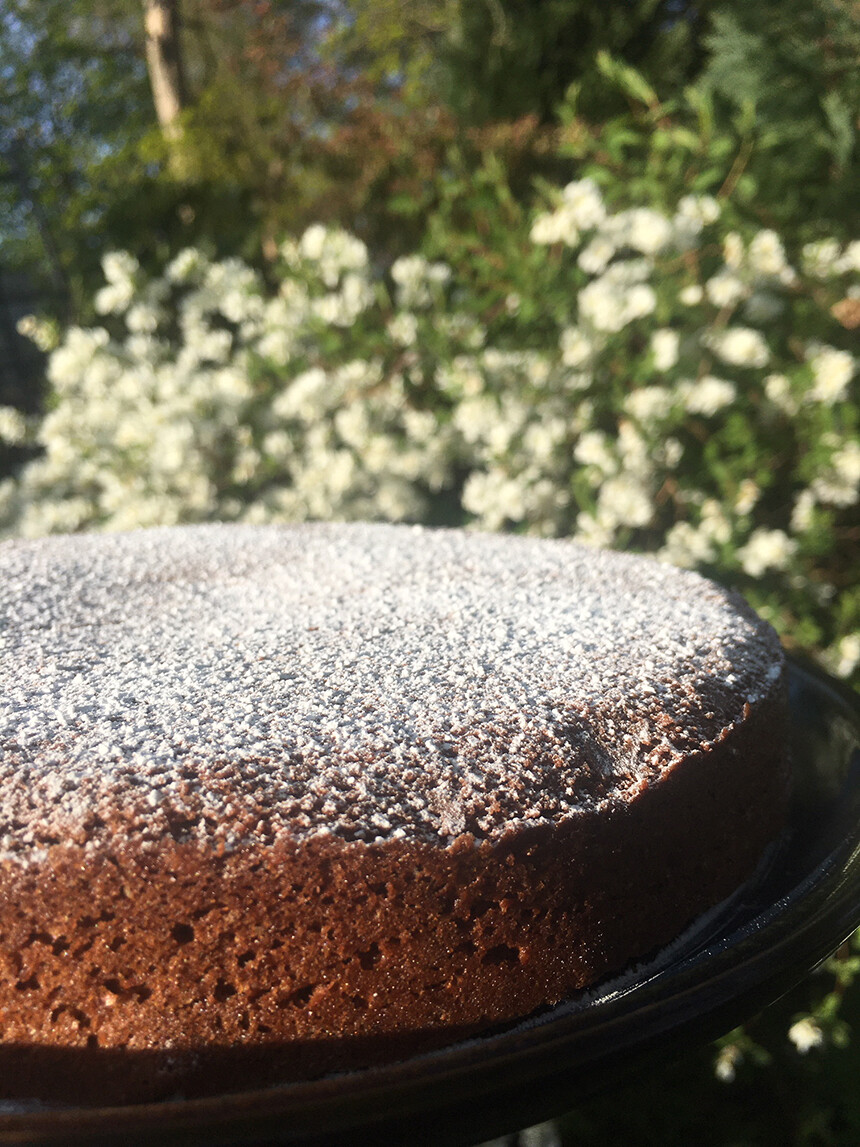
137, 975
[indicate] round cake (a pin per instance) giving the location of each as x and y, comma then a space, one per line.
277, 801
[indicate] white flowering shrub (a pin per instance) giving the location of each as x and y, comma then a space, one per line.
697, 401
663, 381
205, 395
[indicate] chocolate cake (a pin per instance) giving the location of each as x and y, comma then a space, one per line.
277, 801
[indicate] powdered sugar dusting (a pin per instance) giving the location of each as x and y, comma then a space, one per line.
235, 683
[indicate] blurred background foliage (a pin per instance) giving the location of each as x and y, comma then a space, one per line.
441, 127
296, 111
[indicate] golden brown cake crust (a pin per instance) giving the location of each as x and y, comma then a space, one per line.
147, 946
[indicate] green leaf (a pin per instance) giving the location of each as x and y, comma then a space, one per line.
841, 124
630, 81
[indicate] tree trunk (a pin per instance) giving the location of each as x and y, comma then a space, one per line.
164, 64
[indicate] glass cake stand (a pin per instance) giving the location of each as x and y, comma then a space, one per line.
801, 904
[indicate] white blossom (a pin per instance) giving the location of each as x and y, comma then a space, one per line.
13, 426
641, 228
706, 396
846, 462
304, 395
600, 305
777, 389
577, 347
693, 214
188, 265
403, 328
593, 531
634, 451
594, 258
331, 310
849, 260
536, 369
475, 417
733, 250
463, 329
690, 545
494, 497
691, 295
42, 332
622, 500
668, 452
461, 377
119, 266
714, 521
618, 297
582, 199
832, 371
766, 256
738, 346
576, 380
687, 546
333, 251
114, 298
725, 288
847, 655
664, 347
75, 354
542, 439
592, 449
312, 242
747, 496
554, 227
640, 301
211, 344
142, 318
649, 404
802, 511
819, 259
806, 1034
725, 1067
417, 280
766, 549
839, 483
701, 209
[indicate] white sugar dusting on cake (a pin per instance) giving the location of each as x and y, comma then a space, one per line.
369, 681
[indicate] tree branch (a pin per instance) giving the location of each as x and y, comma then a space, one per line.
164, 63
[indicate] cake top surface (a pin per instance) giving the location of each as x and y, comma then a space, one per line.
235, 683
